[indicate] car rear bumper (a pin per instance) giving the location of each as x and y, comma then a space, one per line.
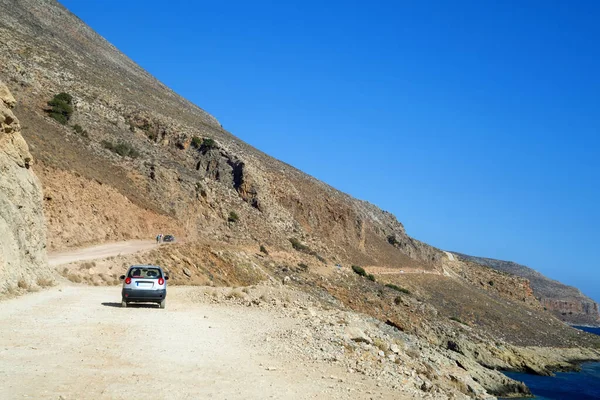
143, 295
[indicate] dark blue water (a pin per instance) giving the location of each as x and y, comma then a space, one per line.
591, 330
584, 385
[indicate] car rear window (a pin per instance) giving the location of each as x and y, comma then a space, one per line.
144, 273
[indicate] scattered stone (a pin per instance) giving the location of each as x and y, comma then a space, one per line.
357, 335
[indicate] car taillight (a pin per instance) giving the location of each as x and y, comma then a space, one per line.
161, 281
128, 281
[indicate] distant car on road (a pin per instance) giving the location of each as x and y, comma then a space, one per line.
168, 238
144, 284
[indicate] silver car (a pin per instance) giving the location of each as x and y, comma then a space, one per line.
144, 284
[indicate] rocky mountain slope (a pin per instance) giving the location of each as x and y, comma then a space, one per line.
125, 157
565, 302
23, 260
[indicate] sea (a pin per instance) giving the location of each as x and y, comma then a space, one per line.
583, 385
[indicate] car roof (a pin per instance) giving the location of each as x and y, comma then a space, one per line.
145, 266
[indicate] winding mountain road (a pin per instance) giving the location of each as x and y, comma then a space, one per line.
101, 251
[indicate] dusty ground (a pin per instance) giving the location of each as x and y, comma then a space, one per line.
76, 342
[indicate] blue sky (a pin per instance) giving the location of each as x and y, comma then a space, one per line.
476, 123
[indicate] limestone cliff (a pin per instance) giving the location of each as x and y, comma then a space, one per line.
23, 261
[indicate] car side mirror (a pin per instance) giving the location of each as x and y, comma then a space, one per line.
122, 277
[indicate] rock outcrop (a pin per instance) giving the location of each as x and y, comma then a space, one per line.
23, 260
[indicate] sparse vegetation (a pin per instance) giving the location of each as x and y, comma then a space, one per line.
297, 245
359, 270
263, 249
200, 189
381, 344
371, 277
123, 149
196, 142
45, 282
22, 284
491, 283
456, 319
236, 294
303, 266
392, 240
74, 278
203, 144
61, 107
80, 131
209, 143
397, 288
233, 217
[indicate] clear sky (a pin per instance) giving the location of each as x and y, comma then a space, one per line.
477, 123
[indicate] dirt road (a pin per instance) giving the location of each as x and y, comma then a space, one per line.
76, 342
101, 251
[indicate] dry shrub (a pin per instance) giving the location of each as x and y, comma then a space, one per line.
380, 344
22, 284
45, 282
74, 278
87, 265
236, 294
412, 353
460, 385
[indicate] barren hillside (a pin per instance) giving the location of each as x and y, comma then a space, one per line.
565, 302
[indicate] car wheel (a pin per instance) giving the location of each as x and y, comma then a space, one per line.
163, 304
123, 304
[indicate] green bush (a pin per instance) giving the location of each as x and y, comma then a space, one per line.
196, 142
371, 277
263, 249
392, 240
203, 144
233, 217
491, 283
122, 149
297, 245
359, 270
397, 288
61, 107
209, 143
80, 131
